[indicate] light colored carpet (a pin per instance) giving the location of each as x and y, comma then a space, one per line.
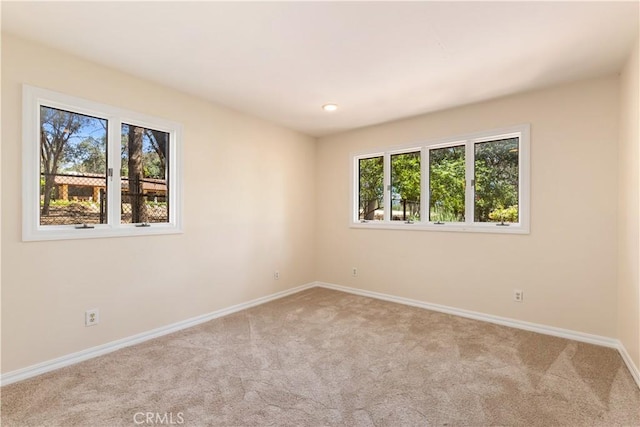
324, 358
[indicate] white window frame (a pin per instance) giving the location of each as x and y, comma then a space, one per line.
32, 99
522, 227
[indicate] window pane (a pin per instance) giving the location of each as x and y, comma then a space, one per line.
73, 168
144, 175
446, 184
405, 187
370, 188
496, 175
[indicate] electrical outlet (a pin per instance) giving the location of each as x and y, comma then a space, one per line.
276, 275
518, 295
354, 271
91, 317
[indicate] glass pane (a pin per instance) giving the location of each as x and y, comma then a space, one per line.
446, 184
144, 175
496, 175
73, 168
370, 189
405, 187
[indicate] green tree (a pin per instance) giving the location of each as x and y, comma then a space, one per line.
496, 180
57, 127
371, 186
405, 183
496, 183
88, 156
447, 183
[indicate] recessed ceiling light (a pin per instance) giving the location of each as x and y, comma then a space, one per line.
330, 107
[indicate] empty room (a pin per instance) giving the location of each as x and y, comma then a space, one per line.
320, 213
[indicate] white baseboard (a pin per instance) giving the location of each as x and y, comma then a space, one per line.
635, 372
513, 323
80, 356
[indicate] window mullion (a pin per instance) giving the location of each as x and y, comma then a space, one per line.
424, 185
114, 187
386, 198
469, 193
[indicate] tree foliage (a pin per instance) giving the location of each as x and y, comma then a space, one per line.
88, 156
496, 176
73, 143
371, 177
57, 128
447, 184
496, 183
405, 184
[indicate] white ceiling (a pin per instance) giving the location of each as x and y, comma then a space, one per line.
378, 60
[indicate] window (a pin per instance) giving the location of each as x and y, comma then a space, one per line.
405, 186
447, 184
370, 185
73, 167
496, 180
477, 182
144, 185
92, 170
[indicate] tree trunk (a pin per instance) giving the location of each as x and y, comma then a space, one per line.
51, 169
160, 147
371, 209
49, 181
136, 196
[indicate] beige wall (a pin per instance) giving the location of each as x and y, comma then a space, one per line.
248, 211
566, 266
629, 210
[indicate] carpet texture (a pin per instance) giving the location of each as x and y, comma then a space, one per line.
324, 358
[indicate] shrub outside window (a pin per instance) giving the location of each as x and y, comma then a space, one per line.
477, 182
92, 170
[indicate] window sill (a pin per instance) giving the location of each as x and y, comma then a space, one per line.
419, 226
99, 232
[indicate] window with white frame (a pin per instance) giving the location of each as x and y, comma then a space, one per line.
93, 170
477, 182
370, 188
